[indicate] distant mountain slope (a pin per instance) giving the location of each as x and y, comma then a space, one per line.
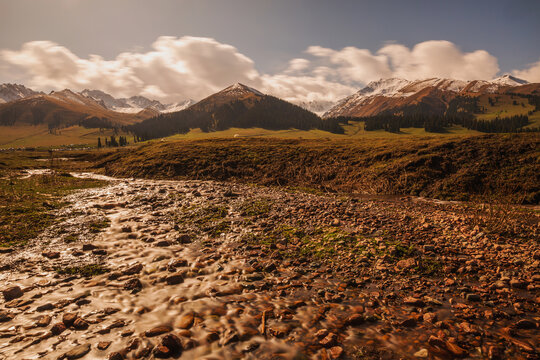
134, 104
429, 95
235, 106
12, 92
64, 108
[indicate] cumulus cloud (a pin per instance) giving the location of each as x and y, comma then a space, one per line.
194, 67
531, 74
175, 68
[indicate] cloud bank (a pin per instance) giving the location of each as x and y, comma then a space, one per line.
194, 67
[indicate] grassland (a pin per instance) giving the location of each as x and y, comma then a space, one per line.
37, 136
26, 204
507, 106
445, 167
353, 130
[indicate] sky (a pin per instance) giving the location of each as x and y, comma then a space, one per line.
300, 50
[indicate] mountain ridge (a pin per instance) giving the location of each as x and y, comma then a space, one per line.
394, 93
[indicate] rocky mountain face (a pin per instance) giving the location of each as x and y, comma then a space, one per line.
12, 92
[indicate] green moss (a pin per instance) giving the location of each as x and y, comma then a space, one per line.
98, 226
87, 270
256, 207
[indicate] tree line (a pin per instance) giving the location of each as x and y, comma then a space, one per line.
112, 141
266, 112
460, 111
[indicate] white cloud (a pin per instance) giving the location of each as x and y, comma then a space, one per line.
531, 74
194, 67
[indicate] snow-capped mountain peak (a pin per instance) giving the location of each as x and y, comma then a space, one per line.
240, 89
509, 80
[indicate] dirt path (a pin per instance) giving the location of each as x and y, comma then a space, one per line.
191, 269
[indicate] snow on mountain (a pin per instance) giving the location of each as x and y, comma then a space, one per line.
318, 107
239, 89
134, 104
509, 80
12, 92
181, 105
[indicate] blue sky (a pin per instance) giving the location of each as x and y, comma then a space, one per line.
272, 33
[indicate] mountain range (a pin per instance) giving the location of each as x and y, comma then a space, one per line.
242, 106
431, 95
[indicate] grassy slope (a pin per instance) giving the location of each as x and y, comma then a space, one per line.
35, 136
450, 167
504, 107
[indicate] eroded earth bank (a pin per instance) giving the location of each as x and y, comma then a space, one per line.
192, 269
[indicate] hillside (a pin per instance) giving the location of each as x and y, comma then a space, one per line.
429, 96
488, 166
62, 109
236, 106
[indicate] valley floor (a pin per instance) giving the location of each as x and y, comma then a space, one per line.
203, 269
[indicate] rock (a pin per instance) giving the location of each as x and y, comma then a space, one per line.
133, 285
89, 247
473, 297
69, 318
133, 269
525, 324
184, 239
45, 307
355, 320
455, 349
163, 243
518, 284
410, 322
173, 343
422, 353
336, 352
174, 279
162, 352
99, 252
414, 301
58, 328
406, 263
211, 337
185, 321
80, 324
158, 330
44, 320
116, 324
77, 352
6, 316
103, 345
126, 229
430, 317
329, 340
12, 292
115, 356
51, 254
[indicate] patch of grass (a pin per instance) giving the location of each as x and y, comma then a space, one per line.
98, 226
256, 207
88, 270
26, 205
329, 242
70, 238
219, 228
